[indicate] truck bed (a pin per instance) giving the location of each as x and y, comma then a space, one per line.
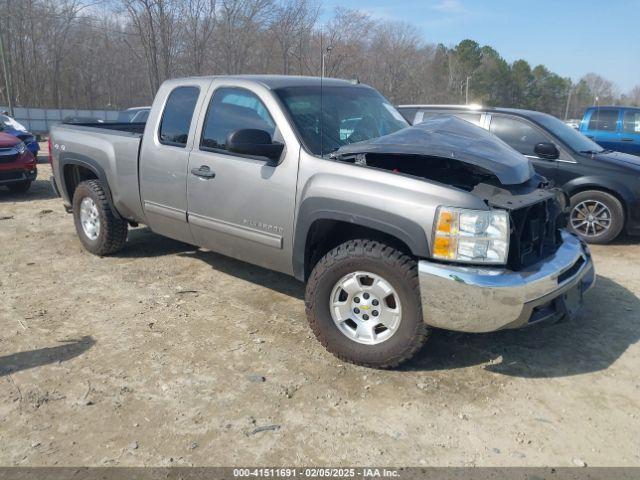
112, 149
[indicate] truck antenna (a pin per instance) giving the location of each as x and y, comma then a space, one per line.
321, 93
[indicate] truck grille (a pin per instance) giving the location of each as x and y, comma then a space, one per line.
535, 234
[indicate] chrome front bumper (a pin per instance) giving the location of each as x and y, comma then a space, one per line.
485, 299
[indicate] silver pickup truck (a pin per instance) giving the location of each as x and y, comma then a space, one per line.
394, 229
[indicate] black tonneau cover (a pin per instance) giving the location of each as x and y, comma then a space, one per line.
450, 137
130, 127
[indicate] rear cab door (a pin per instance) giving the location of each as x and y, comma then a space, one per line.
164, 156
603, 126
244, 206
630, 136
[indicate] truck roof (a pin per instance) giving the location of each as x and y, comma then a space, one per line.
277, 81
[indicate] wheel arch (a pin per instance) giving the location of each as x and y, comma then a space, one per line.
323, 224
78, 168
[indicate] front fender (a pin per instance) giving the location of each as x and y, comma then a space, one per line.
317, 208
401, 206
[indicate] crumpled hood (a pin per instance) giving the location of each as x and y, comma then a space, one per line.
451, 137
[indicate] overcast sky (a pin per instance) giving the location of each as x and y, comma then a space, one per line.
570, 37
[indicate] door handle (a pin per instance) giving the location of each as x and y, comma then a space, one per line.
203, 171
627, 139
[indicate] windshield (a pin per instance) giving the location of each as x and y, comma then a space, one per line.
570, 136
349, 115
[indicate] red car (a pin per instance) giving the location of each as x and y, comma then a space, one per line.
17, 164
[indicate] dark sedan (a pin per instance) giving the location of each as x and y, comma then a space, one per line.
604, 186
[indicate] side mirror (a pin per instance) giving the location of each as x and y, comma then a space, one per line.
250, 141
547, 151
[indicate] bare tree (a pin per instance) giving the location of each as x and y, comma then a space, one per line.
116, 53
346, 39
600, 87
156, 24
293, 22
241, 26
633, 97
394, 50
199, 17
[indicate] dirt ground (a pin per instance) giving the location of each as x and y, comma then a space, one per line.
170, 355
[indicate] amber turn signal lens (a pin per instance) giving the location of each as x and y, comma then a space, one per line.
445, 220
444, 247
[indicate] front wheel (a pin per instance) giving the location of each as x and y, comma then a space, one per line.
99, 229
363, 304
596, 216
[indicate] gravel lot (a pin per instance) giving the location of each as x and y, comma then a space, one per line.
170, 355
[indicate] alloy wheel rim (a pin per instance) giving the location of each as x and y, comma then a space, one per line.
365, 307
591, 218
89, 218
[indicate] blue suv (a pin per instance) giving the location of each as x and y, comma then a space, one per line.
615, 128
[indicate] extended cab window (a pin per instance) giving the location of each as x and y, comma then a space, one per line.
517, 134
604, 119
631, 121
233, 109
176, 118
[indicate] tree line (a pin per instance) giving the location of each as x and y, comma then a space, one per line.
116, 53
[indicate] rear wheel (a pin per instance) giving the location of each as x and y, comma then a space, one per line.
99, 229
363, 304
596, 216
20, 187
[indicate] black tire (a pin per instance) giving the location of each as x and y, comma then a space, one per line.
397, 269
113, 230
615, 208
20, 187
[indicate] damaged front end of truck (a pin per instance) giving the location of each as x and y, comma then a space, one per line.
454, 152
547, 269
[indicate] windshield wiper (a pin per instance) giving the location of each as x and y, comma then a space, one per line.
592, 152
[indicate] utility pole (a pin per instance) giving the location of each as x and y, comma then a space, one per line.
466, 92
325, 51
7, 74
566, 110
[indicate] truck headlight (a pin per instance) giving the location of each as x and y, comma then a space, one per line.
471, 236
21, 147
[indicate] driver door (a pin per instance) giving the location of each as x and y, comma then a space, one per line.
240, 205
